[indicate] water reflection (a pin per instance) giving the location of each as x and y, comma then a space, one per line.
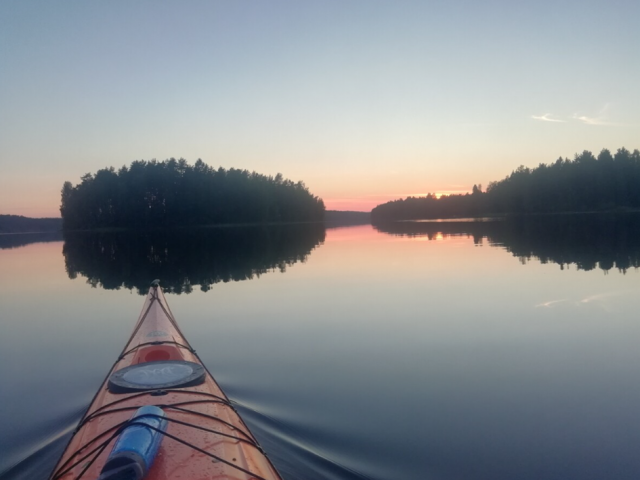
15, 240
586, 241
184, 258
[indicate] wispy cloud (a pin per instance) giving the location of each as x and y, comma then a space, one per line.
599, 300
605, 300
590, 120
602, 297
547, 118
551, 303
599, 119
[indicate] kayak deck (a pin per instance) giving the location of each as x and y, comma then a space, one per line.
205, 437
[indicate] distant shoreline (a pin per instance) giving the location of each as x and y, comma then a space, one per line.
501, 216
10, 224
17, 224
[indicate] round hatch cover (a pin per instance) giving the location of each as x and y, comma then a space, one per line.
156, 375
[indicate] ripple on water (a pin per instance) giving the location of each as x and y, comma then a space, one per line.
293, 457
35, 460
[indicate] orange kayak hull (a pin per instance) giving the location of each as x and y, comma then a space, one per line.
205, 437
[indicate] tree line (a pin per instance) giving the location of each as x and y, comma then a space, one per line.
20, 224
586, 183
173, 193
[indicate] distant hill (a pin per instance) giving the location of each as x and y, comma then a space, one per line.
334, 218
20, 224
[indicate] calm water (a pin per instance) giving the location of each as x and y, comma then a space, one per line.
457, 350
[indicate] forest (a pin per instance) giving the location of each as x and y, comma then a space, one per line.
608, 182
172, 193
20, 224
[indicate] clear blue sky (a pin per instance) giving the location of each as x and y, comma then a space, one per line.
364, 101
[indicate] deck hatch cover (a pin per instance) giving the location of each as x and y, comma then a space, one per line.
156, 375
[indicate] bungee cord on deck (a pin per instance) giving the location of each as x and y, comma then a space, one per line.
117, 429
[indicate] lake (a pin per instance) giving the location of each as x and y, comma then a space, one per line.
414, 350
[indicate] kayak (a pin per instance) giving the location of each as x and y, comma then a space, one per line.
160, 415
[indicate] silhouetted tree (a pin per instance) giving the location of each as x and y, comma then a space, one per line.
173, 193
20, 224
583, 184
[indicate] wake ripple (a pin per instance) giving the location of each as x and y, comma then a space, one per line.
36, 460
294, 458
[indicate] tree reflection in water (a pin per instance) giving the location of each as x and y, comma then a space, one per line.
588, 241
184, 258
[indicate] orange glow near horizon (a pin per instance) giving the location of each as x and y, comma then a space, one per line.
366, 203
41, 199
32, 209
37, 208
363, 204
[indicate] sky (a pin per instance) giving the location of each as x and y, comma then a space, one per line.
365, 101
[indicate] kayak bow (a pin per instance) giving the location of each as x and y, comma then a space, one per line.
160, 415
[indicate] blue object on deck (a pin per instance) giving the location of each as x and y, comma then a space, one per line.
137, 446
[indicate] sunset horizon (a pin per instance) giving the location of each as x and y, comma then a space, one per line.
364, 102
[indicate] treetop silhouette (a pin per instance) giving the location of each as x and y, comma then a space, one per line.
586, 183
173, 193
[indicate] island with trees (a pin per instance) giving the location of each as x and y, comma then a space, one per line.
172, 193
608, 182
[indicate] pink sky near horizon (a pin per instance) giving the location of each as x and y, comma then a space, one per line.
363, 204
366, 203
45, 201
